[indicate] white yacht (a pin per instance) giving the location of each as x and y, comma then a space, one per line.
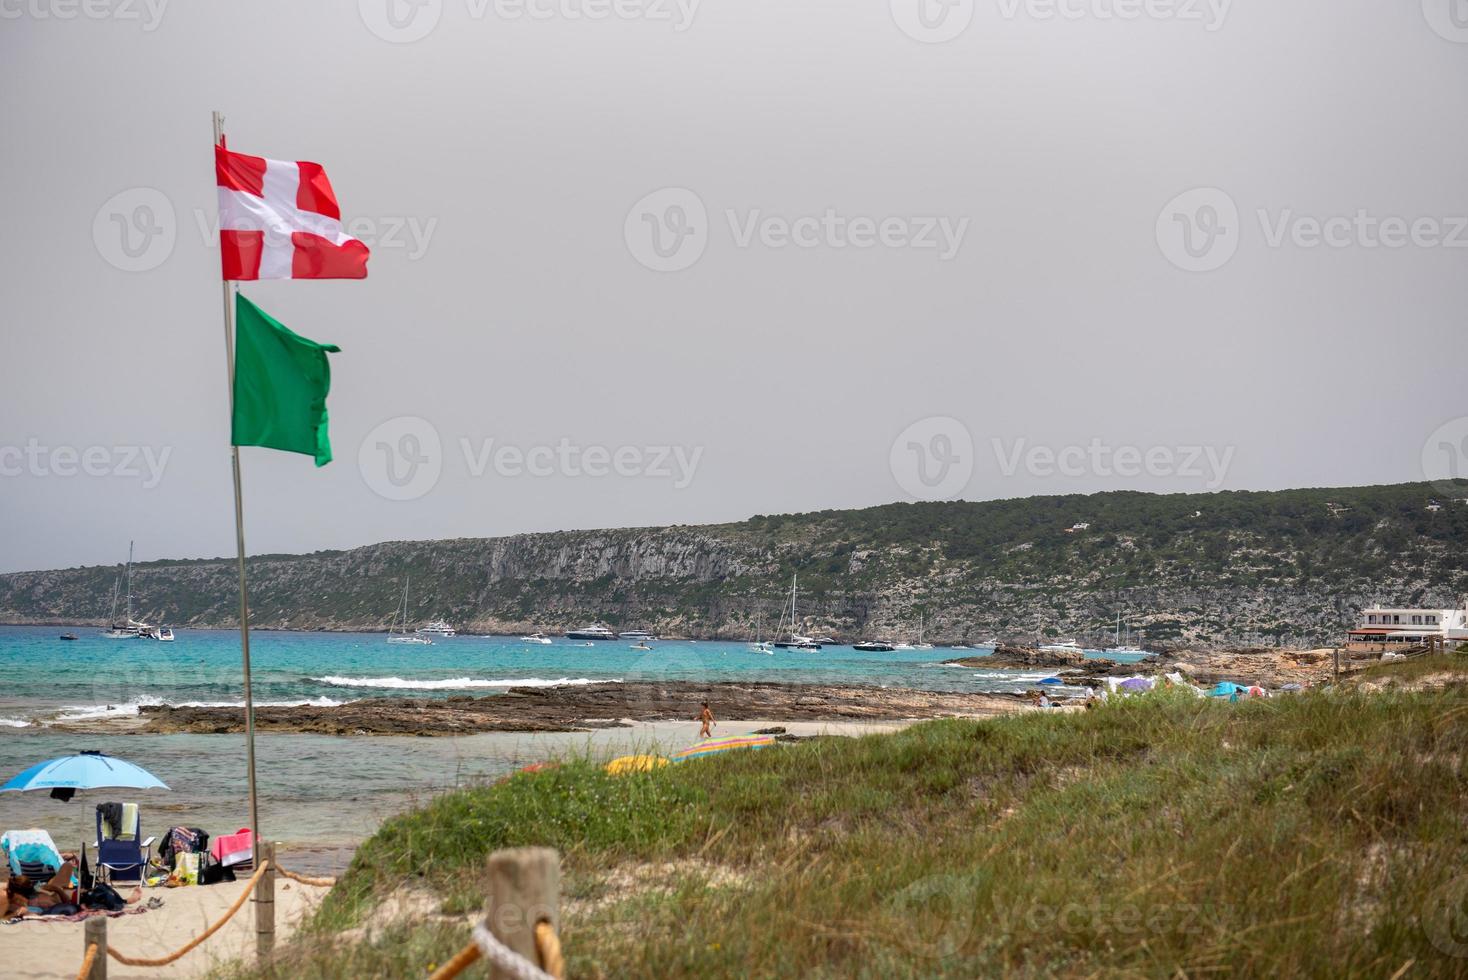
596, 631
1062, 646
1120, 648
759, 644
127, 628
796, 641
393, 636
163, 634
641, 636
921, 644
536, 637
438, 628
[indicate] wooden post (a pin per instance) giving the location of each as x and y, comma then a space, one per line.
1335, 654
265, 903
94, 933
524, 890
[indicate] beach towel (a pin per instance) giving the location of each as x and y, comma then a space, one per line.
235, 848
713, 746
85, 914
111, 818
129, 828
31, 853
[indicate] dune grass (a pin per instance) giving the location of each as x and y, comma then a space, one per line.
1321, 834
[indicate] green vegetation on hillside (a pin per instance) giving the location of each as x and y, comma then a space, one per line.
1292, 565
1319, 834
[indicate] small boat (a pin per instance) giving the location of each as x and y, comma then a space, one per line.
438, 628
163, 634
873, 646
68, 636
759, 644
639, 646
593, 632
536, 638
402, 612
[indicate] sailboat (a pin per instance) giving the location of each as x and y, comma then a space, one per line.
1119, 648
759, 645
126, 628
404, 637
796, 641
920, 645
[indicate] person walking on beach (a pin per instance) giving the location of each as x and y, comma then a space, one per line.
706, 721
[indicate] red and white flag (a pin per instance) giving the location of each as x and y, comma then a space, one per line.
280, 220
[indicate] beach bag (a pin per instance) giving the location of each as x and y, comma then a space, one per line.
186, 869
103, 897
65, 908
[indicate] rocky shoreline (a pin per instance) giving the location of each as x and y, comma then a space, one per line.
572, 709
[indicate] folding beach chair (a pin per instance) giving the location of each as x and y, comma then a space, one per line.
120, 855
31, 853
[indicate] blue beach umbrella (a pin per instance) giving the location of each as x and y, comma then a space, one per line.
85, 770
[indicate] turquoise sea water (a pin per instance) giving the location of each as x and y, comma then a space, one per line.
327, 790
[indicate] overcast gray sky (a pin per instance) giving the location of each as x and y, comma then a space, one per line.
981, 250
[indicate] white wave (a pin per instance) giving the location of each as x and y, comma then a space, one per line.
93, 712
460, 683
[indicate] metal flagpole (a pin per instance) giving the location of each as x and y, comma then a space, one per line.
239, 529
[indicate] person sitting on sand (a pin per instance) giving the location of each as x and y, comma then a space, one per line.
25, 897
706, 719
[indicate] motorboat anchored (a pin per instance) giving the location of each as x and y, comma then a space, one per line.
536, 638
1062, 646
438, 628
641, 636
873, 646
593, 632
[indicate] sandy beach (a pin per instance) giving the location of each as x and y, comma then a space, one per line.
42, 950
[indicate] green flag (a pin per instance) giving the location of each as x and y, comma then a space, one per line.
280, 385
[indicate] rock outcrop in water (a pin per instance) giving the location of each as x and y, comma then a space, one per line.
1181, 569
566, 709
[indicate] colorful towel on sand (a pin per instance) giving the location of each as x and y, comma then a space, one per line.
713, 746
84, 914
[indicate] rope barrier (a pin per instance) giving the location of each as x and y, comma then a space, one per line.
506, 958
548, 945
317, 882
165, 960
91, 958
462, 960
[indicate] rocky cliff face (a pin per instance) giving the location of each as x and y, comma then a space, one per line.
1263, 567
